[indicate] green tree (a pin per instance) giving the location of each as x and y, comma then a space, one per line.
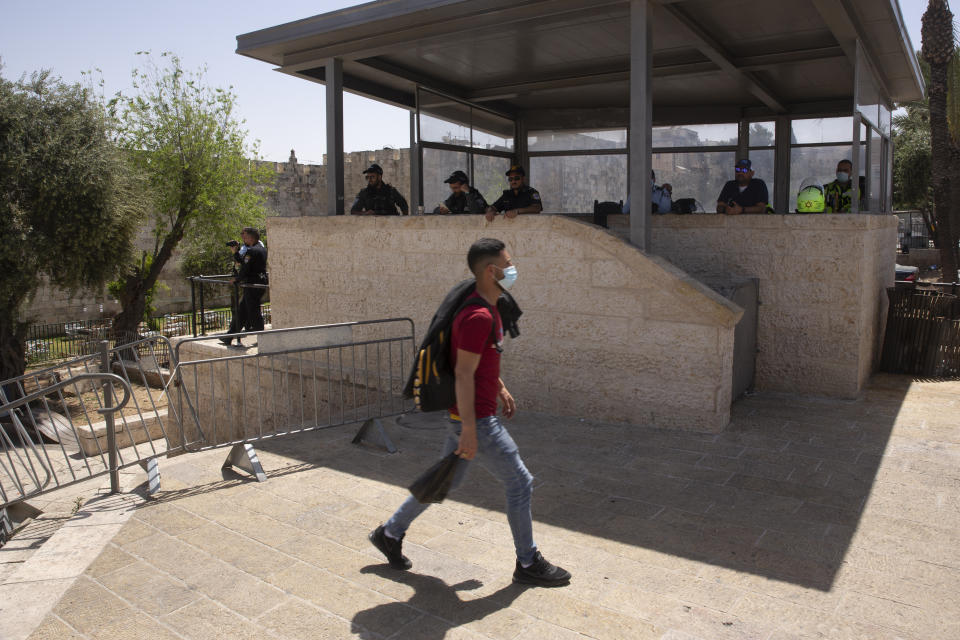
69, 203
911, 157
184, 136
938, 50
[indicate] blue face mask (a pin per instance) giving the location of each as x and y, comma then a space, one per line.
509, 277
843, 176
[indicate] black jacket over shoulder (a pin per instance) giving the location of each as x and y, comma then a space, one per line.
507, 307
253, 265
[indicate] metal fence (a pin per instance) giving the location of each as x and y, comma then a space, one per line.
60, 427
52, 434
51, 342
922, 336
912, 232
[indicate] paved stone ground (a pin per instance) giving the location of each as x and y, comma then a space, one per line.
807, 518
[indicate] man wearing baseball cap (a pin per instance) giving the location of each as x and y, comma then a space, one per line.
744, 194
463, 198
519, 198
378, 198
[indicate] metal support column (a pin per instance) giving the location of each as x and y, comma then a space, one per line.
108, 419
334, 82
641, 122
781, 165
416, 197
743, 139
520, 144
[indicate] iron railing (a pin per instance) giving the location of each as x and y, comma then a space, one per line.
198, 312
208, 396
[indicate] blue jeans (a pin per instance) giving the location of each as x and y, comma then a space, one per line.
499, 454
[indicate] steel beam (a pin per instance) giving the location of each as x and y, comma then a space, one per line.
334, 85
709, 47
641, 122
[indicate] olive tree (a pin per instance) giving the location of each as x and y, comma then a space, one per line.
69, 204
203, 179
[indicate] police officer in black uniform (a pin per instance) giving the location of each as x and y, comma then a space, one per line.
463, 198
378, 198
519, 198
252, 258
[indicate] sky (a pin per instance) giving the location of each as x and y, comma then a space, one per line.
280, 111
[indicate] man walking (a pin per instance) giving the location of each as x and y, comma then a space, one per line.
475, 347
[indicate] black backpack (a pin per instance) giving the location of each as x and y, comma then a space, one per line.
431, 383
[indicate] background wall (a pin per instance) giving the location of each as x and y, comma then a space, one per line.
822, 288
608, 333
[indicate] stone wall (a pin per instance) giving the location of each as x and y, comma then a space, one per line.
822, 288
608, 333
300, 190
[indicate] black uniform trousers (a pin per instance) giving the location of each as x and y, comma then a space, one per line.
248, 316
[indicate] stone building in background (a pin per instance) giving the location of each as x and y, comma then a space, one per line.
300, 190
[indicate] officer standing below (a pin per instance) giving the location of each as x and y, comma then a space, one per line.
463, 198
378, 198
519, 198
839, 193
253, 270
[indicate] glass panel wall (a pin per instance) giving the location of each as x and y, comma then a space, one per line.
489, 175
570, 184
438, 164
696, 135
455, 135
699, 175
576, 140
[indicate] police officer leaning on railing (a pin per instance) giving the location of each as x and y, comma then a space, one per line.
252, 258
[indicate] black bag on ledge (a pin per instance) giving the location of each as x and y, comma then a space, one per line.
434, 483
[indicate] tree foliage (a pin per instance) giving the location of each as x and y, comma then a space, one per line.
69, 204
203, 180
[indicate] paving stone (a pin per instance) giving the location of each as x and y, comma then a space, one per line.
135, 627
147, 589
297, 620
52, 628
87, 606
206, 620
110, 559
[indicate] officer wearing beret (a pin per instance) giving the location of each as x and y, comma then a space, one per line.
463, 198
378, 198
519, 198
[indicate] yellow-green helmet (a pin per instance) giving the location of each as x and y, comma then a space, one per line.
810, 197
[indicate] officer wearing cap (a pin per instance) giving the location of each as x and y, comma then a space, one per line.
378, 198
463, 198
744, 194
519, 198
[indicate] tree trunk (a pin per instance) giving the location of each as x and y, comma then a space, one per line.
954, 213
941, 161
13, 338
133, 298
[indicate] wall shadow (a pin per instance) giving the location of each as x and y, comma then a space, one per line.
779, 493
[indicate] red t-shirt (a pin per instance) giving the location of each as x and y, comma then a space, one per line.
471, 332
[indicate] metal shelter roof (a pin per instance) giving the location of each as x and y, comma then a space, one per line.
712, 59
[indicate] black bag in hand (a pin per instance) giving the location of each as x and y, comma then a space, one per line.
434, 483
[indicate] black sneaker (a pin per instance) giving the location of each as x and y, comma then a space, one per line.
226, 341
391, 548
541, 573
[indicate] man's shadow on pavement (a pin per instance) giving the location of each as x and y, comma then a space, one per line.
433, 597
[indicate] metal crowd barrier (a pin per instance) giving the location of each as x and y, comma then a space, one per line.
59, 427
297, 380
